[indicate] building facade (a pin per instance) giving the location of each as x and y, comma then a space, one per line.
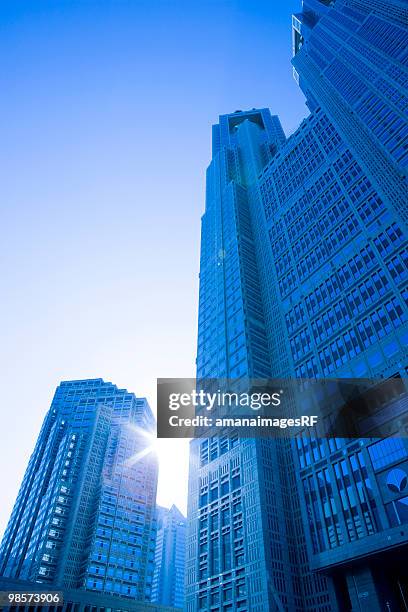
245, 549
303, 273
348, 314
84, 515
168, 577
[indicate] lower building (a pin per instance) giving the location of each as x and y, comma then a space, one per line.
84, 517
168, 577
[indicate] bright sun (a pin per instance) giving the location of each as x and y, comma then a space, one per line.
172, 455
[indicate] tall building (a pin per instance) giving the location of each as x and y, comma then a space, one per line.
245, 547
168, 577
303, 273
342, 214
84, 515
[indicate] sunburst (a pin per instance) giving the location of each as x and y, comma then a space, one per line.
151, 447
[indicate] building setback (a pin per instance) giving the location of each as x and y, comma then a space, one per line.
84, 515
303, 273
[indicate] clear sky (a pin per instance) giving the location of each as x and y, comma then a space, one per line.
106, 110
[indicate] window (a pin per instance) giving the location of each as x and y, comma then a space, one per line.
397, 511
387, 451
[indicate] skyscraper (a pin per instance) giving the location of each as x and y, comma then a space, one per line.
84, 515
168, 577
347, 315
245, 548
303, 273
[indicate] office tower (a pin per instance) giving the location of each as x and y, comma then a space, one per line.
303, 273
168, 576
84, 515
245, 549
336, 202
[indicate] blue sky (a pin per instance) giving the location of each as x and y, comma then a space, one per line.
106, 112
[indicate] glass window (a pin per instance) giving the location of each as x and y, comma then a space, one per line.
397, 512
387, 451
